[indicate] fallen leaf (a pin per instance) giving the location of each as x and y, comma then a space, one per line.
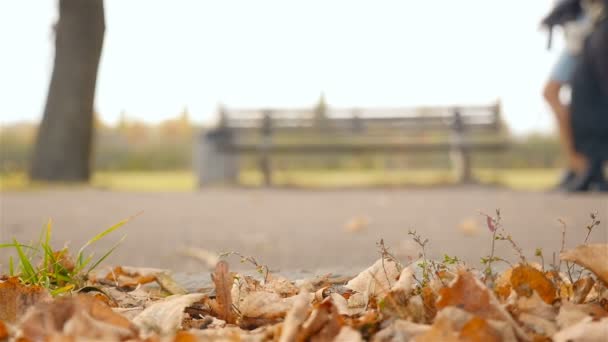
294, 319
223, 285
80, 316
571, 314
525, 279
585, 330
280, 285
3, 331
534, 305
478, 330
324, 323
377, 280
538, 325
16, 298
442, 330
581, 289
348, 334
401, 330
593, 257
165, 316
184, 336
469, 294
259, 308
167, 283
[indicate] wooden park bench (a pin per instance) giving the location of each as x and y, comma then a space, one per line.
265, 133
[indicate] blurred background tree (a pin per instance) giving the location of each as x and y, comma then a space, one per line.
64, 143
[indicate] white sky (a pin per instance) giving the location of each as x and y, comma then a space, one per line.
160, 56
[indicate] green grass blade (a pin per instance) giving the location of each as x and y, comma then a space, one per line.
102, 234
12, 245
105, 255
26, 265
11, 267
47, 243
62, 290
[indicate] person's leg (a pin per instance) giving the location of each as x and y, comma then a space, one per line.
551, 93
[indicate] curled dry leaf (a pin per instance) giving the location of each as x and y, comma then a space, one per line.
294, 319
3, 331
477, 329
526, 279
223, 286
165, 316
401, 330
538, 325
323, 324
260, 308
593, 257
581, 289
470, 294
348, 334
534, 305
280, 285
571, 314
585, 330
16, 298
377, 280
80, 316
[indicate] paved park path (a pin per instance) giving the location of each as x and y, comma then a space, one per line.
296, 230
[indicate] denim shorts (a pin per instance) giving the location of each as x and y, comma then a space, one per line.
564, 68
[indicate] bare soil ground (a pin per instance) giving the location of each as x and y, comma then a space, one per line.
293, 230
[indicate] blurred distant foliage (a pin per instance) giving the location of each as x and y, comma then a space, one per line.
132, 145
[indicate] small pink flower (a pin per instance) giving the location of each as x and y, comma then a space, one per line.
491, 225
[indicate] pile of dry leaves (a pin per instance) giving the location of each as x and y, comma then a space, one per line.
386, 302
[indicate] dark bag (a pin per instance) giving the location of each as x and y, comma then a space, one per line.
589, 107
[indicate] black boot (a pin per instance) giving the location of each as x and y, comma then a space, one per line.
591, 179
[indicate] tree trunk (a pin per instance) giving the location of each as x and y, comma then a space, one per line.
64, 142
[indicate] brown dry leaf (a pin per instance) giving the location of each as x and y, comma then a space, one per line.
167, 283
502, 285
324, 323
429, 300
348, 334
581, 289
3, 331
184, 336
165, 316
16, 298
294, 319
442, 330
377, 280
261, 308
538, 325
470, 294
400, 330
570, 314
525, 279
478, 330
81, 316
282, 286
534, 305
593, 257
223, 285
585, 330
